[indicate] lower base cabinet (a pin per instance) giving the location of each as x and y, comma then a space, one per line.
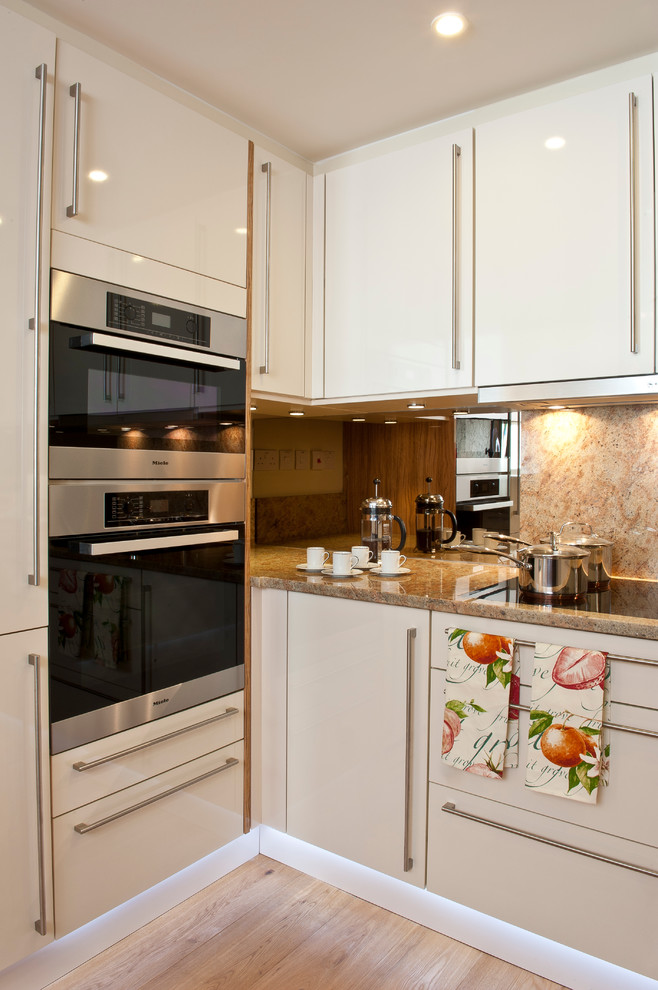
357, 731
26, 917
146, 826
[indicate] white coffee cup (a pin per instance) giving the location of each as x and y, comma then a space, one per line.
363, 555
478, 536
342, 561
316, 558
392, 561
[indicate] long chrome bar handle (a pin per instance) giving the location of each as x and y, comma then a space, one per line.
41, 73
411, 645
83, 828
611, 656
450, 808
40, 924
649, 733
76, 92
632, 105
267, 167
81, 766
456, 153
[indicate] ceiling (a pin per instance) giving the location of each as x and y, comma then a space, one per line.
322, 78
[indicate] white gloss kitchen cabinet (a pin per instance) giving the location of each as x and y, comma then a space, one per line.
26, 80
357, 731
279, 276
398, 271
176, 186
132, 809
572, 872
564, 241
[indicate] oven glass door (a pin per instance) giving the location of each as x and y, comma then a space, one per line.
106, 396
137, 632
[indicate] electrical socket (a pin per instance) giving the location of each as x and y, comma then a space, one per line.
266, 460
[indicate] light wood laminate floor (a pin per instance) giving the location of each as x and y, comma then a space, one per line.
266, 926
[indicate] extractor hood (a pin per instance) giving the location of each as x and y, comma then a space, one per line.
578, 392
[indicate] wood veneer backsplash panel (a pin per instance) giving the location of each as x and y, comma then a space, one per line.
402, 455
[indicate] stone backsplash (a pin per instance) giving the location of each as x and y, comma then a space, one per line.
599, 466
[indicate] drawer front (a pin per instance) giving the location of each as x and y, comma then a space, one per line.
627, 807
167, 742
179, 822
590, 905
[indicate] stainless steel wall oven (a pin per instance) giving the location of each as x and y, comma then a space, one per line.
147, 507
143, 387
146, 602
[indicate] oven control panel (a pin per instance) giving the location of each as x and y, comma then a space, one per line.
149, 508
157, 320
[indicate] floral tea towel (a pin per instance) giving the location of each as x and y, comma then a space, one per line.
566, 754
477, 698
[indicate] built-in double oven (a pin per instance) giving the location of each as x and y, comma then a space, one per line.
146, 507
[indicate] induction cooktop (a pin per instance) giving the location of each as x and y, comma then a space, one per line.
624, 597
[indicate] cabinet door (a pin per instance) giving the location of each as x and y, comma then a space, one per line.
279, 282
25, 857
23, 47
352, 669
398, 269
561, 261
176, 187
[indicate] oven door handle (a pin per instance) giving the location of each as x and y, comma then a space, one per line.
155, 543
483, 506
170, 352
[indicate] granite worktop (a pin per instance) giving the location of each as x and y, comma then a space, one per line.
443, 584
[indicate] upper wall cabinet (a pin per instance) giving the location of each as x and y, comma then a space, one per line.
398, 271
564, 240
176, 182
279, 276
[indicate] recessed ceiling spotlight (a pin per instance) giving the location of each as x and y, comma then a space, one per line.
557, 407
415, 405
253, 408
358, 419
295, 412
390, 422
449, 24
554, 143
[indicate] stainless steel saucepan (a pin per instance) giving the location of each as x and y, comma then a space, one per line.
599, 570
550, 570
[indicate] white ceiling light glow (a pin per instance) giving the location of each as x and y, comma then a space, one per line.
553, 143
97, 175
449, 24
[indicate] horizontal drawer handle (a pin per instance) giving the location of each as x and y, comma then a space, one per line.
153, 742
109, 547
82, 828
171, 352
611, 656
605, 725
450, 808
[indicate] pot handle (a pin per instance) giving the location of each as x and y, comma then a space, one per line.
453, 531
475, 548
403, 533
580, 526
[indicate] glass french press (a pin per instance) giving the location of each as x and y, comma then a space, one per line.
376, 518
429, 521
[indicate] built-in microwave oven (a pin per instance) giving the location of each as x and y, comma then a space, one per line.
141, 386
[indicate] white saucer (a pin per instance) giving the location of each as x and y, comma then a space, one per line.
380, 573
329, 572
366, 567
310, 570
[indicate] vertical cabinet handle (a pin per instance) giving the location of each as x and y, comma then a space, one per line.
41, 73
411, 645
267, 168
40, 924
632, 105
456, 153
76, 92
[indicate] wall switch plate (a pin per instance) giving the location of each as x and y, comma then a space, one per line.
286, 460
266, 460
302, 461
323, 460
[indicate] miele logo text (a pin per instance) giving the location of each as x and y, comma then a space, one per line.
159, 462
162, 701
